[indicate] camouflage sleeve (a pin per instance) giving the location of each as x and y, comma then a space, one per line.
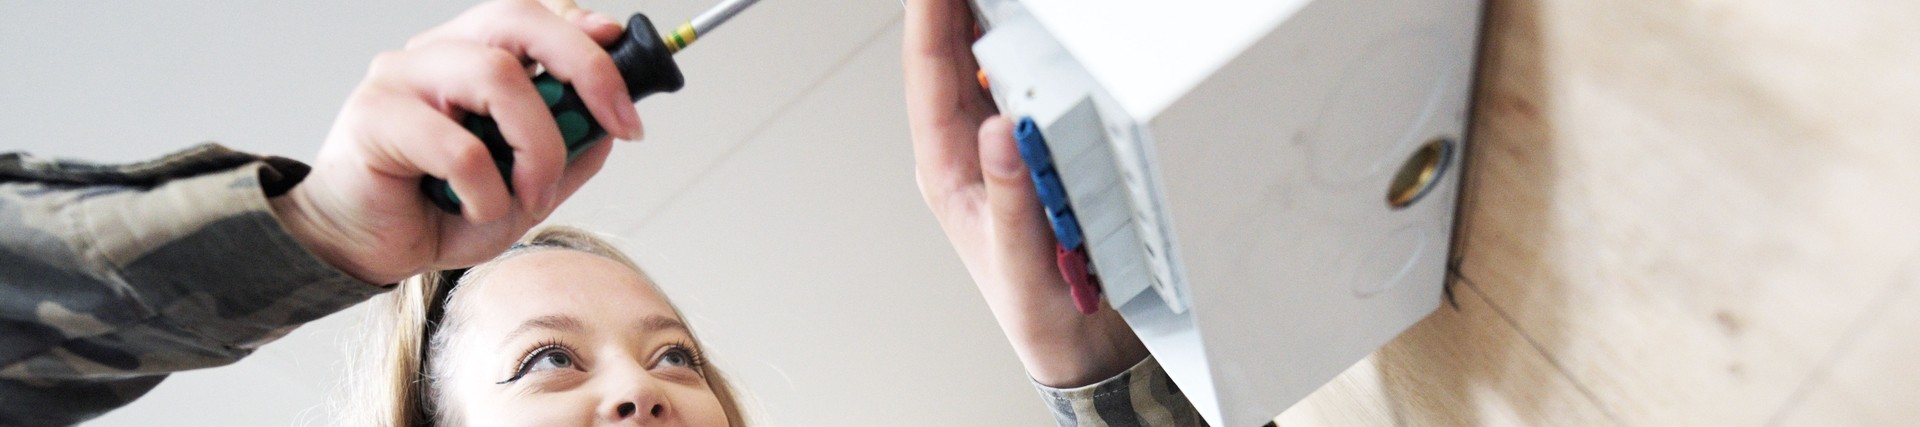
1141, 396
113, 276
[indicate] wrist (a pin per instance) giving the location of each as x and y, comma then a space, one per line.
1098, 347
321, 237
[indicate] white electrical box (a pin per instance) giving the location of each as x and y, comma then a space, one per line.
1266, 189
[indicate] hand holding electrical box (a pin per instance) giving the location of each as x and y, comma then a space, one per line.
973, 178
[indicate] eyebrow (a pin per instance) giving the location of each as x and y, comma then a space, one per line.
657, 323
569, 324
552, 322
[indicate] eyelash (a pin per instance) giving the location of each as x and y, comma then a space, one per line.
526, 361
695, 358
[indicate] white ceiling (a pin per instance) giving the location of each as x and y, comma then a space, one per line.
773, 197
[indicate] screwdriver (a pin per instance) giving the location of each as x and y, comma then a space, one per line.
645, 60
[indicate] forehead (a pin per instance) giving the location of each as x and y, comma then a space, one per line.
594, 289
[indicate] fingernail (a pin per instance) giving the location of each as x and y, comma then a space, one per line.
1006, 166
1004, 158
548, 198
635, 130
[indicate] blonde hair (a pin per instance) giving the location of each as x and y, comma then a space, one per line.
393, 382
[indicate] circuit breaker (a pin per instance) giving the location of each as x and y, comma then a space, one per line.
1265, 190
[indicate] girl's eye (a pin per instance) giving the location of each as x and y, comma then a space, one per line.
552, 356
679, 356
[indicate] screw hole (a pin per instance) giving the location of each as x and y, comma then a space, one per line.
1419, 173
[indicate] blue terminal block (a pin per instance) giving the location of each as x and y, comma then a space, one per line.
1052, 192
1046, 183
1033, 147
1066, 229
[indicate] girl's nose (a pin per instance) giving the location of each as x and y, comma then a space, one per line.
626, 410
638, 400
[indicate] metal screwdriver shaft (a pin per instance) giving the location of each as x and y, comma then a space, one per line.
706, 21
645, 60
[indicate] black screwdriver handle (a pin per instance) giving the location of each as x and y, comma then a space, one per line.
644, 62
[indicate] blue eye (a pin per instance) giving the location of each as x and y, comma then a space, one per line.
550, 356
680, 356
553, 358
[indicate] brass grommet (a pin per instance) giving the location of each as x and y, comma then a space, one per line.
1419, 173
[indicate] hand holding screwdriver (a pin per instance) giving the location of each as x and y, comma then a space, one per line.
645, 61
360, 208
456, 104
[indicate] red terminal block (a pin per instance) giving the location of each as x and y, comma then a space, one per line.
1084, 286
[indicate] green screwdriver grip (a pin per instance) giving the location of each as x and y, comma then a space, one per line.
645, 63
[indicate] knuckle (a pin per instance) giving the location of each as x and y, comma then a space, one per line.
501, 67
385, 62
550, 149
469, 157
927, 193
419, 39
494, 6
598, 61
367, 98
353, 115
492, 72
559, 7
509, 7
489, 14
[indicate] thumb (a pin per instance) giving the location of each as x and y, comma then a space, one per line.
1017, 221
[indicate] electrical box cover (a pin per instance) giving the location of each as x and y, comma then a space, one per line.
1267, 189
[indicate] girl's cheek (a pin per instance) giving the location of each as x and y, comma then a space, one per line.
547, 409
700, 407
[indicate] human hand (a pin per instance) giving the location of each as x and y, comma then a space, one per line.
361, 209
973, 179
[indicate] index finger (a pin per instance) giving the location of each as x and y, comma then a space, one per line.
531, 30
602, 29
944, 105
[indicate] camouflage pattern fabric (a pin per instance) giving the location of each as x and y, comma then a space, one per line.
113, 276
1142, 396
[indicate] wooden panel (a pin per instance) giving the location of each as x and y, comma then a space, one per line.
1463, 366
1872, 380
1721, 190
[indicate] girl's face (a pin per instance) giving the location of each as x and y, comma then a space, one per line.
561, 337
